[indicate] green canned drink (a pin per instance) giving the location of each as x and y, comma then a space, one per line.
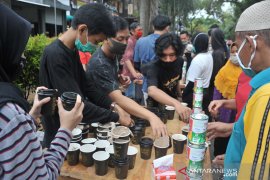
197, 100
198, 85
195, 155
197, 129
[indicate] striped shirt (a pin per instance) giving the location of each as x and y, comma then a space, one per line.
21, 155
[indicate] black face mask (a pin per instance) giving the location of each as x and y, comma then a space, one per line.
169, 65
117, 47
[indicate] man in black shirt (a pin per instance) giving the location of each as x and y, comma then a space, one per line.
61, 68
164, 74
103, 71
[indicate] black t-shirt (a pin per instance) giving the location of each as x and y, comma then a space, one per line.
165, 78
61, 69
103, 72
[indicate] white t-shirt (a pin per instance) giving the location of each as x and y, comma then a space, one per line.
201, 67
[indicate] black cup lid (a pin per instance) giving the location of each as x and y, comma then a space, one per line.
146, 141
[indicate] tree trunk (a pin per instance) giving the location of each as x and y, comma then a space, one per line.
154, 6
145, 15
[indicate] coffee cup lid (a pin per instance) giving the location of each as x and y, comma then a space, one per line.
101, 156
74, 147
87, 148
132, 150
120, 131
102, 143
162, 142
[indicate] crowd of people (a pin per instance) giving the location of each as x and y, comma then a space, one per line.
116, 72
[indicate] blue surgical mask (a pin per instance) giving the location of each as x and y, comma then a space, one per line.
247, 70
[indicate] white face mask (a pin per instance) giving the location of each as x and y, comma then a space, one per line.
247, 70
234, 59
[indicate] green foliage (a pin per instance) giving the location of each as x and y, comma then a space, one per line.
29, 78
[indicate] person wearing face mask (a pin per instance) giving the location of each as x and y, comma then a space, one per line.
184, 36
248, 148
128, 63
201, 67
103, 71
144, 48
86, 49
21, 155
224, 126
164, 74
61, 69
226, 82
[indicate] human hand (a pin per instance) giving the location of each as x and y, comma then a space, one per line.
137, 75
219, 161
214, 107
36, 108
158, 127
218, 129
70, 119
124, 80
124, 117
183, 111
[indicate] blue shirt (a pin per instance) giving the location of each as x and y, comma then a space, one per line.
237, 143
145, 52
144, 49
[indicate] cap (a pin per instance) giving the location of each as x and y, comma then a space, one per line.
256, 17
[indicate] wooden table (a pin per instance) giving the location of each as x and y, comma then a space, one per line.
143, 168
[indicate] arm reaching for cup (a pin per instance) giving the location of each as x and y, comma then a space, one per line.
216, 104
184, 112
219, 129
163, 98
124, 117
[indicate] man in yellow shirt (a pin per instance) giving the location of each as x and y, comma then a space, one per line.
248, 149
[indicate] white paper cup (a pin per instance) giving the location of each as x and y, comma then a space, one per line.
73, 154
102, 144
178, 143
101, 162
